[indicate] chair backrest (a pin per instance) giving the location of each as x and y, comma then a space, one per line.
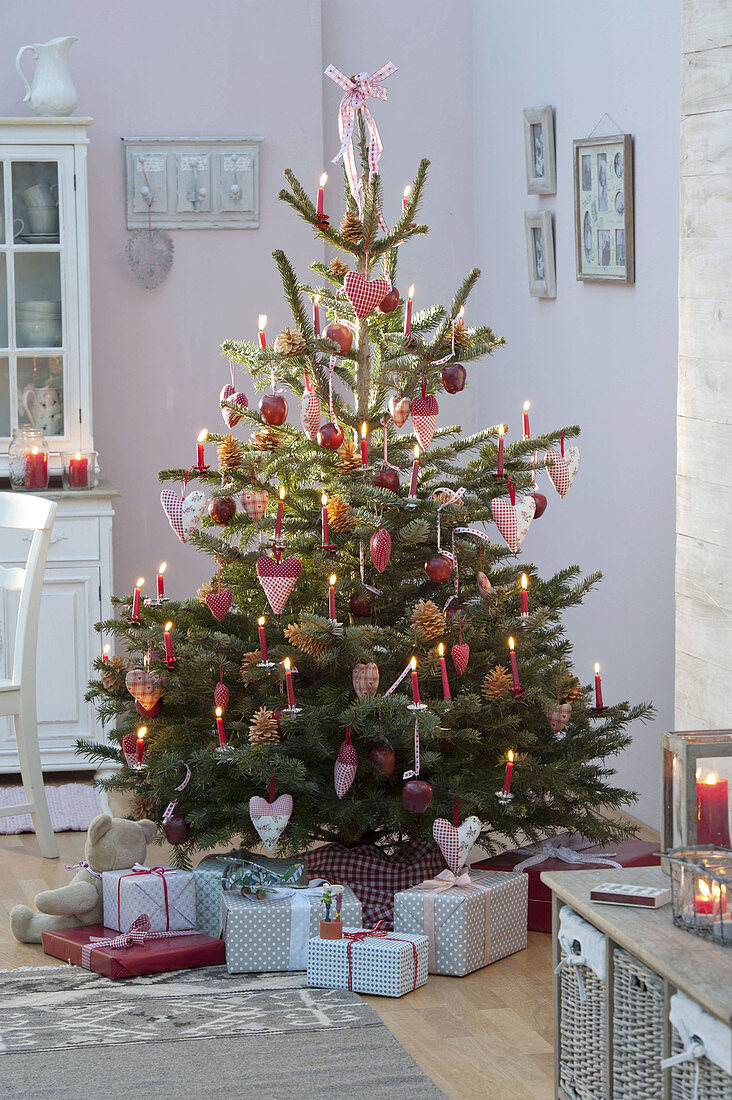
36, 514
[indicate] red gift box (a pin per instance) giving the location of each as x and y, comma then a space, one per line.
628, 853
154, 957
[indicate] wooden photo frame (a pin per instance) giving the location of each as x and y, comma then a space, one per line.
540, 254
603, 209
541, 161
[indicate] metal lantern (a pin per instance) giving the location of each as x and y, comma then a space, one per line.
697, 779
701, 889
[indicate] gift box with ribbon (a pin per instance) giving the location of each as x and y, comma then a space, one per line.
369, 960
470, 919
139, 951
245, 871
565, 853
272, 933
168, 897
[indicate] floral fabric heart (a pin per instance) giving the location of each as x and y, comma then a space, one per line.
184, 515
455, 843
231, 417
144, 686
364, 295
278, 578
270, 818
366, 679
254, 502
219, 603
399, 407
513, 520
558, 715
425, 411
562, 468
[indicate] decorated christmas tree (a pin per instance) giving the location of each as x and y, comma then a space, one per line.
370, 653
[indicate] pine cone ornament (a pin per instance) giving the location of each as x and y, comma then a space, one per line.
263, 728
351, 227
349, 457
339, 269
290, 342
462, 339
571, 690
295, 634
145, 805
428, 621
230, 453
496, 683
114, 672
205, 590
340, 515
248, 662
266, 439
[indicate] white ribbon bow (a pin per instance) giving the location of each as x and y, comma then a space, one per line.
550, 850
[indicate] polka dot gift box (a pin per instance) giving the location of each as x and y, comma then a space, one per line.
470, 919
389, 964
273, 933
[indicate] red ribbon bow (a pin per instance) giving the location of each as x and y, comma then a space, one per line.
138, 869
378, 933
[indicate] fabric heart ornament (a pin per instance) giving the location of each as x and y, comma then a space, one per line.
221, 696
460, 654
513, 520
399, 407
558, 714
231, 417
310, 413
129, 750
484, 585
454, 841
278, 578
184, 515
424, 418
366, 679
364, 295
219, 603
346, 763
254, 502
270, 818
144, 686
562, 468
380, 548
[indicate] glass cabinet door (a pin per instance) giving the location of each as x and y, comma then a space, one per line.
37, 292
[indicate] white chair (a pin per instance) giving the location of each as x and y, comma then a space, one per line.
18, 695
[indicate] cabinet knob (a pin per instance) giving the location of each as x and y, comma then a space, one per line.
202, 192
235, 191
145, 192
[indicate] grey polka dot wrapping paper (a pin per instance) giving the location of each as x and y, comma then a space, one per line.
382, 965
209, 888
469, 927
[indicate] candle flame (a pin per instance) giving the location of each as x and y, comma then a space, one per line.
527, 406
282, 492
510, 644
410, 295
510, 756
141, 733
416, 451
524, 581
316, 299
407, 191
140, 582
323, 179
501, 429
332, 580
287, 664
260, 620
202, 435
461, 313
168, 628
413, 664
78, 455
107, 649
711, 779
35, 451
704, 889
441, 649
597, 668
363, 430
324, 499
162, 567
262, 322
218, 712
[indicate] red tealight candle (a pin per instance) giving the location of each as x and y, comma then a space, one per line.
331, 597
408, 314
524, 596
514, 667
288, 683
364, 446
501, 430
262, 326
321, 186
168, 644
443, 670
78, 472
136, 599
405, 196
324, 518
507, 777
710, 902
316, 314
415, 685
202, 437
105, 653
598, 689
262, 639
280, 506
220, 727
161, 579
140, 748
527, 406
36, 469
415, 473
712, 811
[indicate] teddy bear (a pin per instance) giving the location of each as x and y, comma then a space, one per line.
112, 844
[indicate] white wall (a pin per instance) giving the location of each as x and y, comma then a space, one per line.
600, 355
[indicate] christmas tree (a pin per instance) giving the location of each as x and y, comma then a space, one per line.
348, 553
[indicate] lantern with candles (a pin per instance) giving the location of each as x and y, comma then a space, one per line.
701, 891
79, 470
697, 776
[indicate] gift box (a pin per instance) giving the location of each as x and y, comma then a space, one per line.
168, 897
273, 933
470, 919
128, 959
389, 964
566, 853
250, 871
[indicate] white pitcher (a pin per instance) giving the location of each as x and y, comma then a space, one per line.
52, 92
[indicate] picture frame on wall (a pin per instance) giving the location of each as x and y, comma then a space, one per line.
603, 209
541, 162
540, 254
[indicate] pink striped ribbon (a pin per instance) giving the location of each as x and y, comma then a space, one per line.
417, 761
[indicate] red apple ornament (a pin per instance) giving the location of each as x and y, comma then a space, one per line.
389, 302
383, 759
360, 606
438, 568
386, 479
176, 829
273, 409
222, 510
416, 795
330, 436
340, 335
453, 377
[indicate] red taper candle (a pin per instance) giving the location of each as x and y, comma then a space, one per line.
262, 639
105, 653
415, 473
443, 670
168, 643
140, 744
364, 446
324, 518
405, 196
524, 596
280, 506
527, 406
161, 579
316, 314
408, 314
321, 186
136, 599
598, 688
415, 685
220, 727
262, 324
507, 777
499, 468
200, 460
331, 596
288, 683
514, 666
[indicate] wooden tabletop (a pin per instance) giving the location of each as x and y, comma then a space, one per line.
702, 970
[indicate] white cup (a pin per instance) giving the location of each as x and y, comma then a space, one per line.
40, 194
17, 222
43, 219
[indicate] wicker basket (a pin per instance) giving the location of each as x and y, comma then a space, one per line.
582, 1034
714, 1084
638, 1026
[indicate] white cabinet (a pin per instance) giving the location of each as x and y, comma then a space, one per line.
76, 595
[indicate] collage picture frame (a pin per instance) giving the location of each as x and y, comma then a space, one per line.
603, 207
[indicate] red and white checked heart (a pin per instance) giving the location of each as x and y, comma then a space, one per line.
460, 654
346, 763
558, 714
254, 502
144, 686
455, 843
270, 818
310, 413
129, 750
366, 679
228, 393
278, 578
513, 520
184, 515
221, 695
562, 469
219, 603
425, 411
364, 295
380, 548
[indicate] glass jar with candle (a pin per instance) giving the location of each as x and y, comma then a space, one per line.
701, 891
28, 460
697, 788
79, 470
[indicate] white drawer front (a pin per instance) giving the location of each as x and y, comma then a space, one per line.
72, 539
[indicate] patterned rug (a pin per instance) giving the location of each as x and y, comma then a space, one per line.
235, 1035
71, 806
